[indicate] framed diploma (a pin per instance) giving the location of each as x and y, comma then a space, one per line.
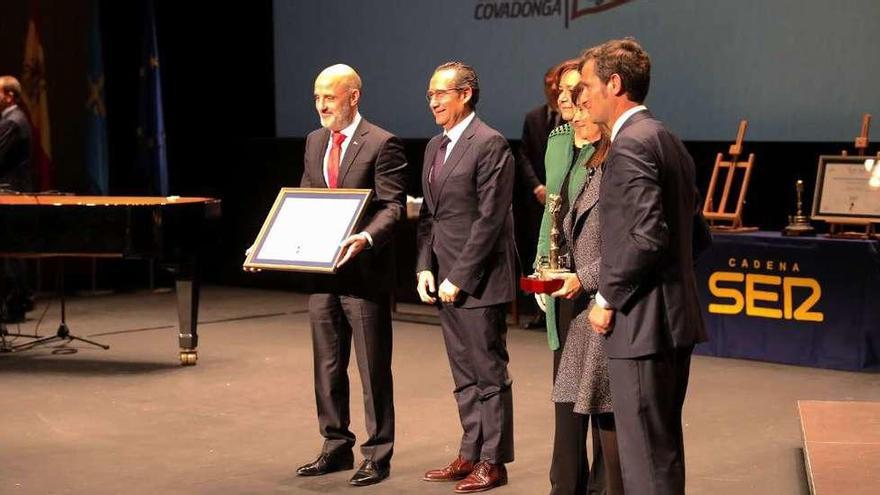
843, 192
305, 227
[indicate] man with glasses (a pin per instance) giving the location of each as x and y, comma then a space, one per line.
354, 304
467, 265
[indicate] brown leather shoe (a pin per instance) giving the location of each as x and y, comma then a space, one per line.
484, 477
456, 470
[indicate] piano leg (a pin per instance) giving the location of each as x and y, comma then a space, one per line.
188, 313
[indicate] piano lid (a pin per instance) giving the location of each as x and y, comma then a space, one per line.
62, 200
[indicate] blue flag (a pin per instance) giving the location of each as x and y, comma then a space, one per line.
152, 162
97, 166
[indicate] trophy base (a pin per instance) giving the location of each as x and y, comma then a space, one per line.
798, 230
533, 285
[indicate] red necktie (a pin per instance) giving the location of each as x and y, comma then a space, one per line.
333, 159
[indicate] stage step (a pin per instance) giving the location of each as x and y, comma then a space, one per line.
841, 446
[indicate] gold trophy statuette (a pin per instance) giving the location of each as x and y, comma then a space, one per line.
799, 224
540, 282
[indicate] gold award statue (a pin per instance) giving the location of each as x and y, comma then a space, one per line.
540, 282
799, 224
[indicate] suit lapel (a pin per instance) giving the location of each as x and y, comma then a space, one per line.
430, 151
318, 151
588, 197
458, 151
354, 147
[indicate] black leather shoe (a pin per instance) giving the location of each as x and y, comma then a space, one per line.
370, 473
327, 463
539, 321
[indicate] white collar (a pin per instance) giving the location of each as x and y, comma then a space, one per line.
349, 131
623, 118
9, 110
458, 129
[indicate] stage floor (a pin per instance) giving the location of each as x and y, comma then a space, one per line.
132, 420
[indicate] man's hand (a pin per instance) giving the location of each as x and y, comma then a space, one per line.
448, 292
601, 319
425, 286
540, 193
352, 246
571, 285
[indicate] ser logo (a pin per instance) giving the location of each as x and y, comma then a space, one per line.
569, 10
782, 293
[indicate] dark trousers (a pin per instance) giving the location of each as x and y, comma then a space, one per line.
649, 394
476, 344
570, 470
336, 321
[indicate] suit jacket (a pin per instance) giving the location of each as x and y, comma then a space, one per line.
649, 219
373, 160
465, 231
536, 127
581, 228
15, 151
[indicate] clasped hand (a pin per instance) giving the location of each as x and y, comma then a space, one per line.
447, 293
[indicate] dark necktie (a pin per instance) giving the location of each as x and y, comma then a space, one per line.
439, 159
333, 159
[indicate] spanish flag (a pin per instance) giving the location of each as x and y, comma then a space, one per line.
33, 88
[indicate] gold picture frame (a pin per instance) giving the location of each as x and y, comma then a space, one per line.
305, 227
842, 194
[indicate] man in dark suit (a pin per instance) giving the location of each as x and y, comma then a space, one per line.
349, 152
647, 302
16, 175
15, 138
465, 242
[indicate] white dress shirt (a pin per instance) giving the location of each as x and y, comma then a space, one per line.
348, 132
455, 133
623, 118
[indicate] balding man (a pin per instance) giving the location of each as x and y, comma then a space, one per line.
349, 152
15, 174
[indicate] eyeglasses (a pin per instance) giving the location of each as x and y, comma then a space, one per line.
441, 93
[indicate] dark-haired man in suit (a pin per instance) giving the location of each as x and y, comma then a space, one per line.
354, 304
651, 230
467, 264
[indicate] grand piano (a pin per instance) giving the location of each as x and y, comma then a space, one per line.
170, 230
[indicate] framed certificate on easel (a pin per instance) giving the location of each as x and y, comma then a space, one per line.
305, 227
844, 193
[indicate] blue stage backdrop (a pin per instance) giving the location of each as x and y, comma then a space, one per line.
799, 70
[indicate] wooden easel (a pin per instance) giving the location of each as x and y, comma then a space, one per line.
720, 218
862, 138
838, 229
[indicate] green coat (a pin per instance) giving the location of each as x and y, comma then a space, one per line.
557, 161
